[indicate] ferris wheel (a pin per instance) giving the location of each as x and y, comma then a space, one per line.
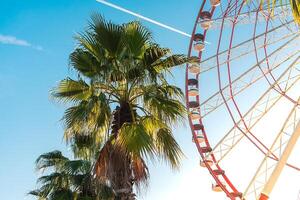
243, 95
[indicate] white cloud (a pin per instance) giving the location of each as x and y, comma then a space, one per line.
12, 40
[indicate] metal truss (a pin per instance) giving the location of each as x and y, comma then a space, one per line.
260, 108
248, 17
267, 166
245, 48
248, 78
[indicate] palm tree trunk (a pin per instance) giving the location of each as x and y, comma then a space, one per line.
123, 179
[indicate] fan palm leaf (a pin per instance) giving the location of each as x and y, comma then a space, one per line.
295, 5
70, 90
67, 179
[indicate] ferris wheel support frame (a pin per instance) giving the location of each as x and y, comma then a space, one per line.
247, 41
214, 102
230, 191
233, 137
266, 168
280, 165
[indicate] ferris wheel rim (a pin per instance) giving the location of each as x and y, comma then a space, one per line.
235, 192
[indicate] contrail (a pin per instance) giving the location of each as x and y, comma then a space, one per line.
144, 18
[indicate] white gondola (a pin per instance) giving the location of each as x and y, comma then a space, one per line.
208, 161
217, 187
194, 104
193, 92
215, 2
199, 42
195, 115
205, 20
198, 127
199, 45
193, 82
200, 138
194, 68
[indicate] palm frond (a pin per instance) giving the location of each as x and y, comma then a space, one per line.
140, 171
167, 147
154, 53
105, 192
72, 181
69, 90
76, 114
61, 194
107, 34
295, 5
136, 38
39, 194
84, 62
102, 163
136, 140
90, 116
56, 179
85, 146
53, 159
74, 167
172, 61
164, 103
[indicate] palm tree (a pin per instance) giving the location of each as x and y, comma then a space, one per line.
295, 5
122, 107
68, 180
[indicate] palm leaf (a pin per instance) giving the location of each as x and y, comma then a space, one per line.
168, 148
162, 102
89, 116
55, 179
53, 159
85, 146
140, 171
38, 193
295, 5
84, 62
71, 90
136, 38
134, 138
172, 61
74, 167
62, 194
107, 34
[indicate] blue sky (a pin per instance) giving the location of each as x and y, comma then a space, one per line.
36, 38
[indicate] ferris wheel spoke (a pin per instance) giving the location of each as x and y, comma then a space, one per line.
265, 171
288, 78
245, 80
260, 108
245, 48
271, 76
248, 17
